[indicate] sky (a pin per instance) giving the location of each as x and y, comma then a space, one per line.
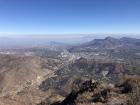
69, 16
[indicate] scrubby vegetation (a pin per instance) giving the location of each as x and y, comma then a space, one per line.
102, 93
132, 85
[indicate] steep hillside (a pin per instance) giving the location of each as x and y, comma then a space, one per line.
20, 76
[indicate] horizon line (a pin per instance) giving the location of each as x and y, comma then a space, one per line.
69, 33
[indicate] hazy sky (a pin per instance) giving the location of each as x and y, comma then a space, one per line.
69, 16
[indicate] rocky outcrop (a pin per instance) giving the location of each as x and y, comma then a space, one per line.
101, 93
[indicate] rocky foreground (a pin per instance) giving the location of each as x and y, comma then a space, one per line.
101, 93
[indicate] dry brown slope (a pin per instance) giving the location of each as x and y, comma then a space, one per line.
19, 79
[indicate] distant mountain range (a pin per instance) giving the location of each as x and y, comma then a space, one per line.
107, 43
32, 41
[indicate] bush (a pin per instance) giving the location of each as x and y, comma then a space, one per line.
132, 85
